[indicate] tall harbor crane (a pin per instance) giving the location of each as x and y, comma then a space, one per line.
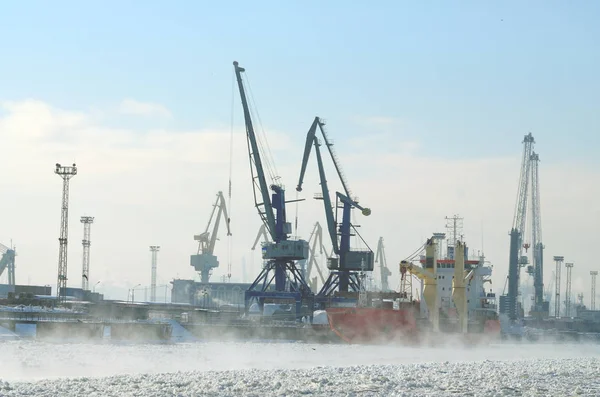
540, 306
282, 252
262, 232
509, 303
204, 261
315, 242
8, 262
384, 271
347, 263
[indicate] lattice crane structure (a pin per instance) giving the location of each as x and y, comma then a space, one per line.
204, 261
66, 173
281, 254
348, 264
7, 262
529, 180
86, 242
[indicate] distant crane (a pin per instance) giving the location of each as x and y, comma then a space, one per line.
205, 260
509, 302
281, 252
540, 306
383, 269
8, 262
262, 232
569, 267
347, 264
315, 241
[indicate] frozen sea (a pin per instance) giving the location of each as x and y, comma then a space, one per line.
36, 368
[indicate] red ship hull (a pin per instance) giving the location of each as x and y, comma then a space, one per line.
372, 325
376, 325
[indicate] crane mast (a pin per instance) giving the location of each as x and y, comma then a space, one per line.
281, 253
347, 263
536, 242
205, 260
510, 304
383, 269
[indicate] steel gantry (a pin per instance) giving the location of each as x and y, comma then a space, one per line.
280, 254
346, 267
529, 179
204, 261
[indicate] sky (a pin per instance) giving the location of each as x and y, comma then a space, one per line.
427, 103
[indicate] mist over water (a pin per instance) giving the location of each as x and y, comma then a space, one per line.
30, 360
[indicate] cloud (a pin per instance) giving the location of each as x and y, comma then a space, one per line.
156, 186
133, 107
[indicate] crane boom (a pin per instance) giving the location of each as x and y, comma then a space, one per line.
267, 214
205, 260
538, 246
383, 269
516, 234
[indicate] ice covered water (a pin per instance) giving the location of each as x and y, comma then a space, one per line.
283, 369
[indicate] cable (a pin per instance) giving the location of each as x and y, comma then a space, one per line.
229, 238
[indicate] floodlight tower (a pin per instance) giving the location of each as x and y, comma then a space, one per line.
85, 273
559, 260
154, 249
66, 173
569, 267
593, 273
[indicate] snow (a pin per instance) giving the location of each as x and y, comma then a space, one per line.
37, 368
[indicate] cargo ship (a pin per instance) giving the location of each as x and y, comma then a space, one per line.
443, 293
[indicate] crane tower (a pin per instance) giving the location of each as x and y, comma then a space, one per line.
154, 249
529, 179
280, 254
559, 260
205, 260
593, 273
8, 262
85, 273
383, 269
66, 173
569, 267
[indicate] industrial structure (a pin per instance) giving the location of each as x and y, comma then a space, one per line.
559, 261
347, 264
66, 173
384, 271
7, 262
569, 267
281, 253
85, 272
315, 242
154, 250
529, 179
204, 261
593, 273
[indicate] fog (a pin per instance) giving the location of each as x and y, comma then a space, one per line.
30, 360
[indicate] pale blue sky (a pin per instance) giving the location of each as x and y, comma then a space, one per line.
472, 76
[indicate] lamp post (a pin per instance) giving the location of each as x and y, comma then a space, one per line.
133, 293
95, 285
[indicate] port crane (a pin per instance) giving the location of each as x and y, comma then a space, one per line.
346, 264
315, 242
262, 232
529, 179
204, 261
281, 253
384, 271
8, 262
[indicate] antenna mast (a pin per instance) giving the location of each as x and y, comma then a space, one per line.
66, 173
